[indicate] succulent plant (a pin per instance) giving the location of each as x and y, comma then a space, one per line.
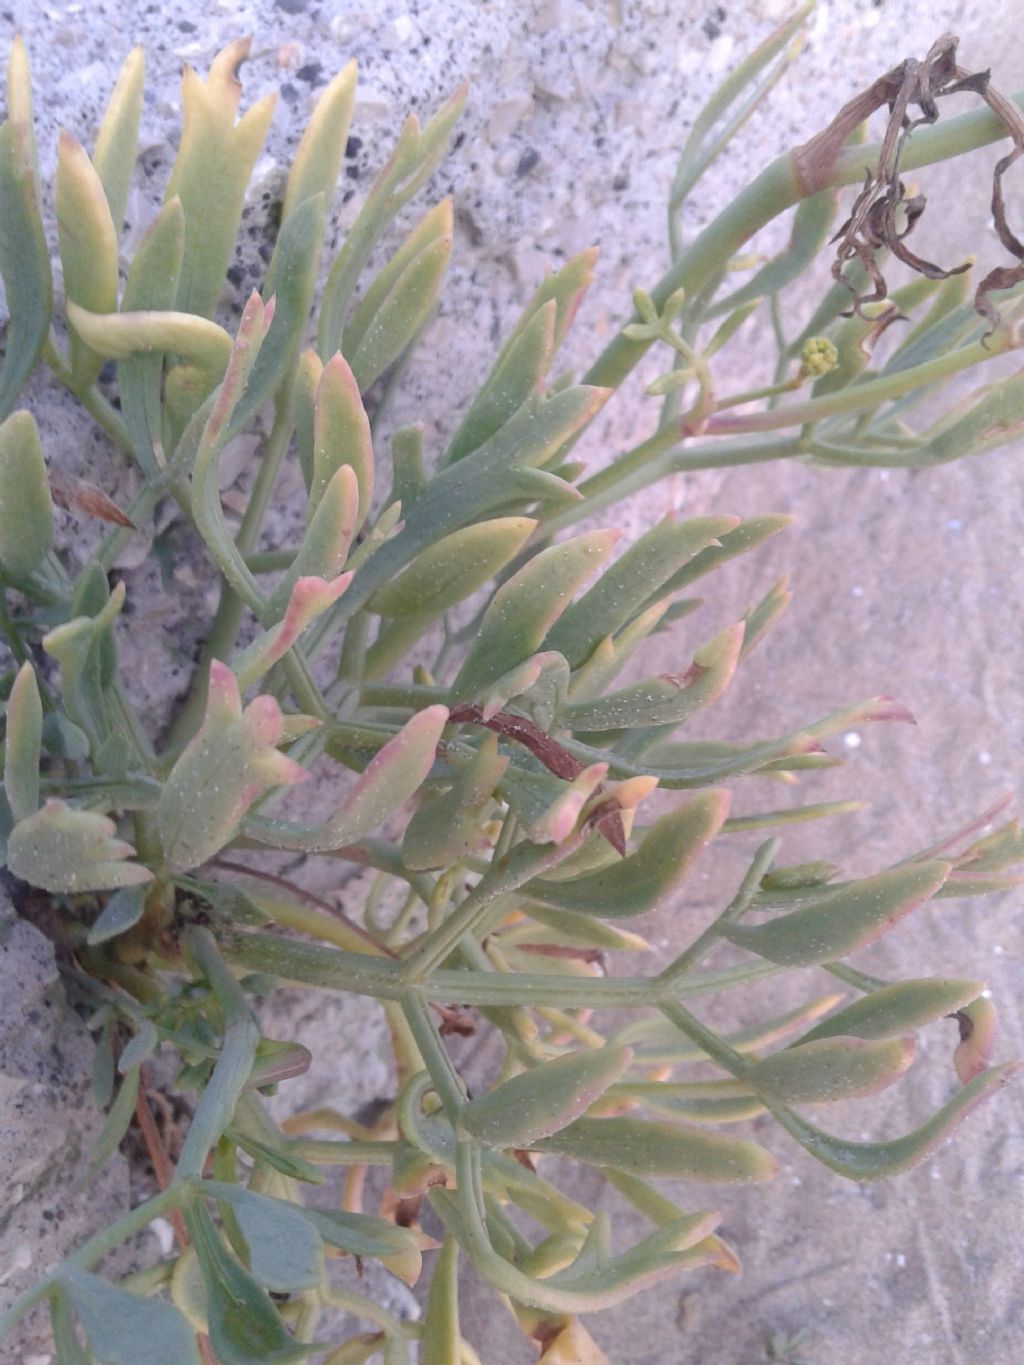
504, 787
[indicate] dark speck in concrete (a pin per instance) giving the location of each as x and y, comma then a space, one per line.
527, 161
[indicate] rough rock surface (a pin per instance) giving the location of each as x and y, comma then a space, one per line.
905, 583
48, 1124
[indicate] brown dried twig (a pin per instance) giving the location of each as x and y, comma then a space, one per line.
874, 221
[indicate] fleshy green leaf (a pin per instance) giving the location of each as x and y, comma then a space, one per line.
392, 776
617, 595
309, 598
413, 160
117, 140
117, 1323
114, 1127
151, 287
514, 378
455, 567
830, 1069
433, 227
317, 158
442, 1338
843, 920
524, 609
24, 255
402, 312
341, 436
641, 880
284, 1252
23, 744
456, 497
88, 246
876, 1160
897, 1010
655, 1148
228, 763
62, 849
526, 356
669, 699
327, 541
361, 1234
447, 826
212, 171
205, 345
544, 1099
291, 277
26, 509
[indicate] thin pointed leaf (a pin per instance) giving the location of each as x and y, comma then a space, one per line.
518, 375
848, 918
746, 536
114, 1127
121, 913
442, 1338
414, 159
524, 609
670, 698
309, 598
811, 223
457, 497
433, 227
291, 277
327, 541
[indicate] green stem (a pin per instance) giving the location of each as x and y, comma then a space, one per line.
856, 397
335, 969
450, 1087
740, 903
